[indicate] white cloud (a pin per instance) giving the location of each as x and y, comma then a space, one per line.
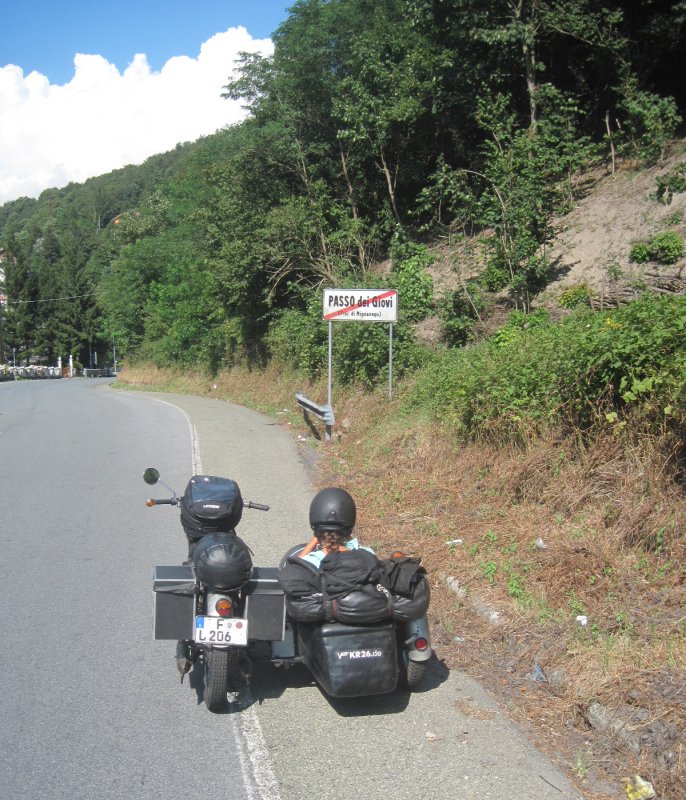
103, 119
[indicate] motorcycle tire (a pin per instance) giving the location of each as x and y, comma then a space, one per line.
218, 667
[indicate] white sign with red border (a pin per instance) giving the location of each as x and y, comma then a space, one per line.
360, 305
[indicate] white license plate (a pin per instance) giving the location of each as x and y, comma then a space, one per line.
220, 630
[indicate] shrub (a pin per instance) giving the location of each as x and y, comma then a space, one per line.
650, 122
664, 248
573, 372
640, 252
412, 281
575, 296
670, 184
459, 311
667, 247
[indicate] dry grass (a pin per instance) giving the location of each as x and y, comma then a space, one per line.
541, 535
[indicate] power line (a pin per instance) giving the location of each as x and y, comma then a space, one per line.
54, 299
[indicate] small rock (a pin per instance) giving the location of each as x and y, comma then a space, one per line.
455, 586
557, 679
537, 675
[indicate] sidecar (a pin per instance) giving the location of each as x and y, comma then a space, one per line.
366, 642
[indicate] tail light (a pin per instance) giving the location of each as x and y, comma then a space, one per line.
420, 643
224, 607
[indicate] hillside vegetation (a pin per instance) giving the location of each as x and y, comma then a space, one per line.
512, 168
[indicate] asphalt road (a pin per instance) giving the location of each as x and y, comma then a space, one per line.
91, 707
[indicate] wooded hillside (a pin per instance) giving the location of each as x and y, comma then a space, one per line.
376, 126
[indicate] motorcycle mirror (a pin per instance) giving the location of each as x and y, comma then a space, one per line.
151, 475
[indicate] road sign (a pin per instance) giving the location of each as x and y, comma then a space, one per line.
360, 305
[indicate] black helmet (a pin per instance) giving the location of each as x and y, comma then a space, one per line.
333, 509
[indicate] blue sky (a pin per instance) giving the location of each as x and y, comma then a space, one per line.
44, 35
88, 87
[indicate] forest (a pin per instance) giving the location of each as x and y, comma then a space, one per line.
377, 128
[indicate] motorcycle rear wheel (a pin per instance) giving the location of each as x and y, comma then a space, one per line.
218, 668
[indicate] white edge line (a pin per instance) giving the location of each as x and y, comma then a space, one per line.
254, 756
196, 463
251, 747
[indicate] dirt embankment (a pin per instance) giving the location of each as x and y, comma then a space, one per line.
593, 242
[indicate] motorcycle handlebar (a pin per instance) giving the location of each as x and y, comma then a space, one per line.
258, 506
174, 501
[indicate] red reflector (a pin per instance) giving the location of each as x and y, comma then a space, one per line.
224, 607
420, 644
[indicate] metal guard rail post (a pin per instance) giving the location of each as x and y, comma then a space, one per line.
323, 412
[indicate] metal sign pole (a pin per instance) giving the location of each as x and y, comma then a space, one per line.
390, 361
328, 427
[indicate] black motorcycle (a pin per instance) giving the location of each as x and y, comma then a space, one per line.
226, 613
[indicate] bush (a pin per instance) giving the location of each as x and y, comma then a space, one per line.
574, 372
459, 310
412, 281
575, 296
650, 122
664, 248
667, 247
640, 252
671, 183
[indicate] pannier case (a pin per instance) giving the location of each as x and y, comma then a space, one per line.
265, 606
351, 661
173, 602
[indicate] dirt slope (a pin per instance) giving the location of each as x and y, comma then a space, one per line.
594, 240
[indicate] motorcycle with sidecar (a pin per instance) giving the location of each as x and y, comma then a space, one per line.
227, 615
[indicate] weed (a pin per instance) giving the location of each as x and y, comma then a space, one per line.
614, 271
575, 605
490, 536
582, 762
515, 587
489, 570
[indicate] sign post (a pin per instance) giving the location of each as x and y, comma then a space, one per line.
361, 305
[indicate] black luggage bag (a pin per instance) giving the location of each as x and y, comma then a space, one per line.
351, 661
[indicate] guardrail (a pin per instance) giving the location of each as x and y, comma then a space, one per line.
322, 412
31, 372
103, 372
